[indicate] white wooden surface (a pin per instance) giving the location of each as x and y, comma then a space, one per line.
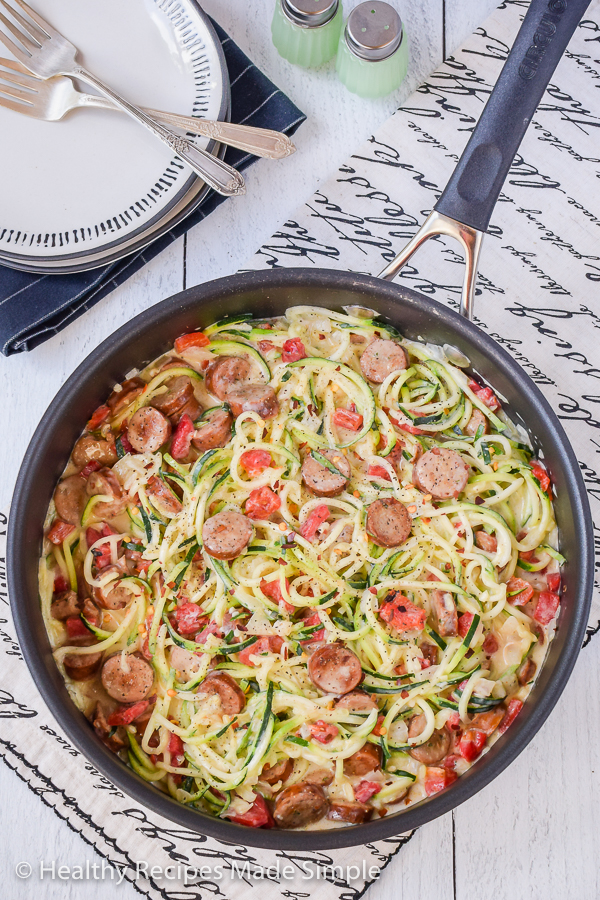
535, 831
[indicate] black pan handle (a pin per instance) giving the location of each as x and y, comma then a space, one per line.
471, 193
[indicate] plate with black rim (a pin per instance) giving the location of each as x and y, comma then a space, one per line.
96, 186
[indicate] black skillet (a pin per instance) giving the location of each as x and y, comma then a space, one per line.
466, 205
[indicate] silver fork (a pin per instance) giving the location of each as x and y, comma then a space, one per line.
52, 98
46, 53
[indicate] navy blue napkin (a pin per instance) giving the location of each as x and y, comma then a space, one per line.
35, 307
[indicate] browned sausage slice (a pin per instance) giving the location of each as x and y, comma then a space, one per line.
485, 541
69, 498
279, 772
320, 480
258, 398
80, 667
148, 430
299, 805
179, 391
435, 749
104, 481
488, 721
356, 701
115, 595
226, 373
162, 497
388, 522
130, 389
352, 813
430, 652
64, 605
476, 421
442, 473
129, 683
381, 358
192, 409
319, 776
91, 449
364, 760
227, 534
214, 431
335, 669
230, 695
526, 671
444, 613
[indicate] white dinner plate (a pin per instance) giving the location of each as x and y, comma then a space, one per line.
96, 186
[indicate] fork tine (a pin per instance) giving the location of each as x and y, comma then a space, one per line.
44, 27
16, 76
15, 93
16, 32
17, 107
17, 51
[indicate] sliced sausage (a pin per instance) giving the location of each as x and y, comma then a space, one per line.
356, 701
148, 430
69, 499
185, 663
299, 805
65, 605
364, 760
82, 666
430, 652
227, 534
130, 389
179, 391
320, 480
352, 813
162, 497
226, 373
109, 736
104, 481
388, 522
230, 694
476, 421
281, 771
381, 358
115, 595
444, 612
130, 682
526, 671
485, 541
435, 749
319, 776
192, 409
335, 669
214, 431
258, 398
442, 473
90, 449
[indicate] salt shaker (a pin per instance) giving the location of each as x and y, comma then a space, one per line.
373, 53
307, 32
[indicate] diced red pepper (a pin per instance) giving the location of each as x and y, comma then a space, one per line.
471, 744
60, 583
402, 614
464, 623
98, 417
314, 521
268, 643
125, 443
188, 618
76, 627
521, 591
258, 816
514, 708
103, 553
436, 779
546, 607
379, 472
309, 621
254, 462
176, 750
490, 644
365, 790
262, 503
194, 339
59, 531
553, 582
92, 466
293, 350
323, 732
412, 429
272, 589
542, 476
127, 714
182, 438
345, 418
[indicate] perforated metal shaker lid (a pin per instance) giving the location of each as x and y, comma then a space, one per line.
310, 13
374, 30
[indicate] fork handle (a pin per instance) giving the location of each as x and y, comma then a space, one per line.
223, 178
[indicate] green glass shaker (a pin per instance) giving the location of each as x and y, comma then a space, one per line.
307, 32
373, 53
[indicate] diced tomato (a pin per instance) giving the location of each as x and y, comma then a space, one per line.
176, 750
127, 714
262, 503
488, 398
464, 623
272, 589
490, 644
553, 582
76, 627
471, 744
258, 816
188, 618
453, 722
210, 628
412, 429
309, 621
542, 476
345, 418
528, 555
265, 346
365, 790
521, 591
323, 732
60, 583
437, 779
546, 607
402, 614
254, 462
314, 520
379, 472
182, 438
268, 643
450, 762
514, 708
59, 531
92, 466
98, 417
102, 554
293, 350
194, 339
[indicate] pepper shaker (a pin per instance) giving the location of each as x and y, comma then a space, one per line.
307, 32
373, 53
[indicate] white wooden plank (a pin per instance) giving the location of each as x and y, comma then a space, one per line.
463, 18
423, 867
